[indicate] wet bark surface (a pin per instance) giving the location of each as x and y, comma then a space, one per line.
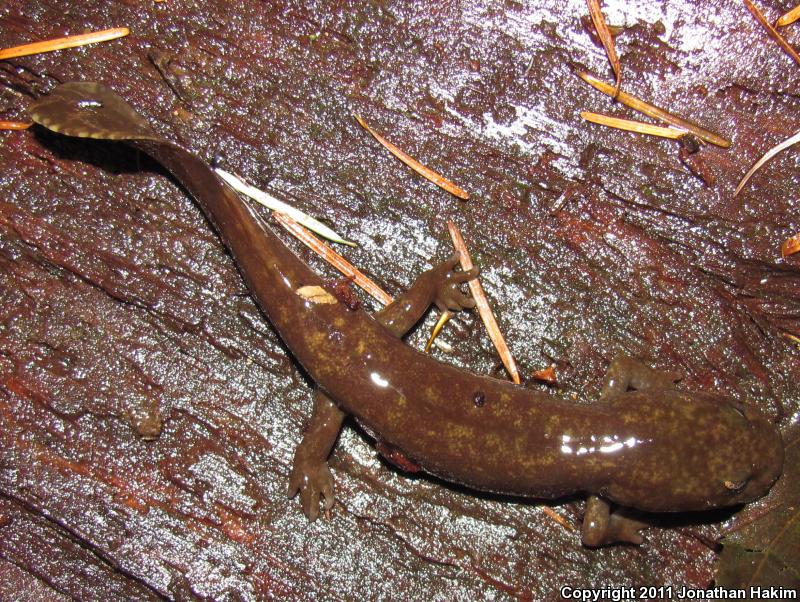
148, 412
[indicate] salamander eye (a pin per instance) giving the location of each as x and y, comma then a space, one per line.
734, 486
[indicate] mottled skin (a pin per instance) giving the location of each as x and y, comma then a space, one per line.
654, 448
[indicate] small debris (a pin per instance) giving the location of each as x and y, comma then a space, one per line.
547, 375
691, 157
344, 292
569, 193
790, 246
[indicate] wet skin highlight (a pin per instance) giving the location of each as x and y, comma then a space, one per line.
643, 445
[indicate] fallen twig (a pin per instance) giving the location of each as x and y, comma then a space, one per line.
61, 43
482, 303
425, 172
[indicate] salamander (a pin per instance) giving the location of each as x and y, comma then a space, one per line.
644, 445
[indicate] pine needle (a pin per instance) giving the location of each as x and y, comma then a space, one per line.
607, 39
443, 319
653, 111
774, 33
270, 202
633, 126
61, 43
14, 125
482, 303
425, 172
789, 17
794, 139
332, 257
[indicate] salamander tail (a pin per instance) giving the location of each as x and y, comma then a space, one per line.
89, 110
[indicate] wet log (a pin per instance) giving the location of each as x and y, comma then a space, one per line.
148, 412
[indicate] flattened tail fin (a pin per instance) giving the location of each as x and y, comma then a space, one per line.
90, 110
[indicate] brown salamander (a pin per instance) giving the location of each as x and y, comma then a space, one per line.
644, 445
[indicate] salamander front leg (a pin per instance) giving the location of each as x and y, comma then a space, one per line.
602, 527
310, 473
440, 286
625, 372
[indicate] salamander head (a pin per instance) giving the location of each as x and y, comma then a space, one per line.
698, 452
757, 465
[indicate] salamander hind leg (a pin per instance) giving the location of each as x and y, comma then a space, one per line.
625, 372
602, 527
310, 475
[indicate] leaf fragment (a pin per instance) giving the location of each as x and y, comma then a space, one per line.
547, 375
792, 140
653, 111
607, 39
316, 294
482, 303
421, 169
760, 547
66, 42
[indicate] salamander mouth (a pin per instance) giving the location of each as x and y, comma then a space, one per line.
768, 451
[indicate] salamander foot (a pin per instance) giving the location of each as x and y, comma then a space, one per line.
602, 527
448, 283
313, 480
625, 372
